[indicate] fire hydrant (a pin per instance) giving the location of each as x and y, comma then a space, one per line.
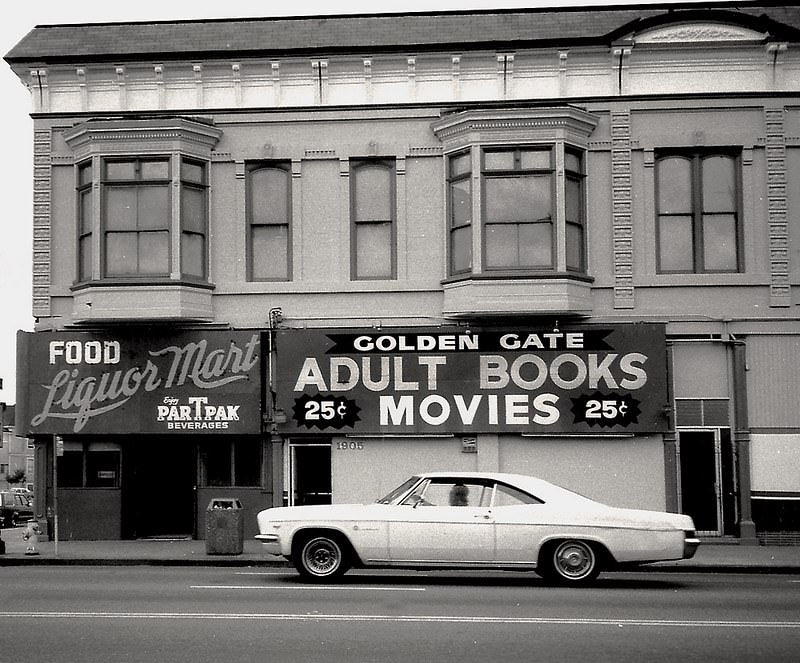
31, 535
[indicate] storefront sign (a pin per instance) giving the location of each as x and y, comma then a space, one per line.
148, 381
594, 380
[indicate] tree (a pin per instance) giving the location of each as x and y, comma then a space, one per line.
18, 476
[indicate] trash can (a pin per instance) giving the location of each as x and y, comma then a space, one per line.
224, 527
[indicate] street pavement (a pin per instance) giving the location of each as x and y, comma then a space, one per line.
712, 556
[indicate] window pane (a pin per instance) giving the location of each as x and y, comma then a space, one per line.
121, 254
535, 245
501, 245
120, 170
102, 469
193, 209
154, 253
154, 170
676, 244
70, 470
216, 459
193, 254
573, 161
373, 194
460, 164
575, 246
120, 208
674, 186
269, 196
247, 463
193, 172
374, 250
461, 249
498, 160
574, 202
154, 208
460, 202
270, 245
85, 173
85, 257
719, 184
719, 243
530, 159
86, 211
519, 198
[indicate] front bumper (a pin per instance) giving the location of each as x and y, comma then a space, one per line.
271, 542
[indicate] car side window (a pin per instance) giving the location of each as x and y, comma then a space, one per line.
508, 496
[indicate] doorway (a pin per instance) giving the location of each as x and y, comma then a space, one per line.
309, 473
708, 480
160, 503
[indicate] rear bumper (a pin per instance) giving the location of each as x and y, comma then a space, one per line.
690, 546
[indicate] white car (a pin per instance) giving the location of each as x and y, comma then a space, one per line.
475, 520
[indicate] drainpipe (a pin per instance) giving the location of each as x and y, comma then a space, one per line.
741, 439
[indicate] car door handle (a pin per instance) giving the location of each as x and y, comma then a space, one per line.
484, 516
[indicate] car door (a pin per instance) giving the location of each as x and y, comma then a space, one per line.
431, 528
521, 522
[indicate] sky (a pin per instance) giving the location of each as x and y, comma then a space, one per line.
16, 174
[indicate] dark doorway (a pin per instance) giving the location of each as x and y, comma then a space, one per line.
707, 480
311, 473
160, 499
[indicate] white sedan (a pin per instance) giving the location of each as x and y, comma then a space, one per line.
475, 520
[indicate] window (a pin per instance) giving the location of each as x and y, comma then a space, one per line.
373, 218
193, 218
518, 208
85, 221
698, 212
575, 216
142, 203
136, 217
94, 465
268, 218
231, 463
459, 210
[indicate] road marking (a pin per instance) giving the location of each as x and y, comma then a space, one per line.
427, 619
309, 587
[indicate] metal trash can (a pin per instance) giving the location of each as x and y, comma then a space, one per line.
224, 527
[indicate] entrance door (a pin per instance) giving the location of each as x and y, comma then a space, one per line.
708, 480
309, 473
164, 471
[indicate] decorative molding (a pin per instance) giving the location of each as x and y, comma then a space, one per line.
697, 32
42, 223
622, 209
780, 293
312, 154
425, 151
221, 157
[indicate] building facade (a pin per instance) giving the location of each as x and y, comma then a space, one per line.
296, 260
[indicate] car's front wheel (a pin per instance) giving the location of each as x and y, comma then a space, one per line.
321, 557
570, 562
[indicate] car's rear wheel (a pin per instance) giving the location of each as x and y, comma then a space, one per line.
322, 556
570, 562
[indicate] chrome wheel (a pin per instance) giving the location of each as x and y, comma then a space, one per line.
321, 557
574, 561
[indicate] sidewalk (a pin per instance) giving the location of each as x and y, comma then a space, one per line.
710, 557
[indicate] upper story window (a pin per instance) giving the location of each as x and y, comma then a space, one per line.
373, 217
142, 199
698, 196
269, 209
518, 205
524, 214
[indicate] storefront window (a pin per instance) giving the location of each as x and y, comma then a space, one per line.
93, 465
231, 463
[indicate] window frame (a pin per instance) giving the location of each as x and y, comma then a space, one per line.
136, 183
453, 228
84, 194
255, 167
232, 445
518, 172
695, 157
201, 186
356, 165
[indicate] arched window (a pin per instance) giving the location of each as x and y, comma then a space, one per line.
269, 222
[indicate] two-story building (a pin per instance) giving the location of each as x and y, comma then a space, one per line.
295, 260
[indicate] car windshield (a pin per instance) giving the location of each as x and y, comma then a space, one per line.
399, 491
